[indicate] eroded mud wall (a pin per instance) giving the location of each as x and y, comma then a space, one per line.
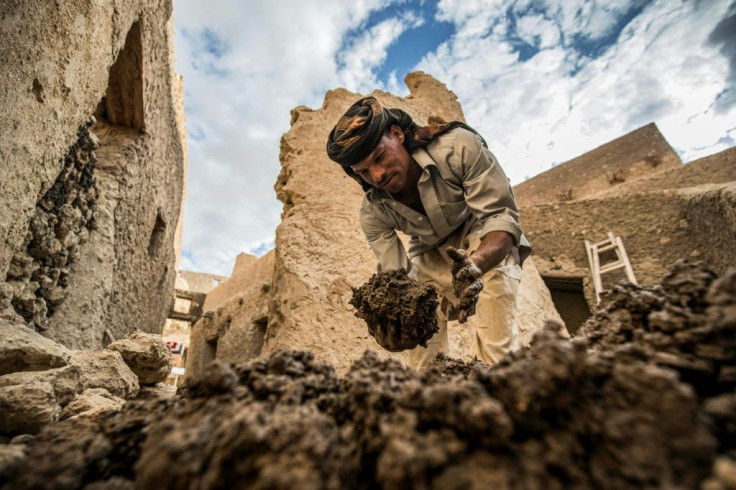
102, 258
639, 154
718, 168
236, 315
656, 228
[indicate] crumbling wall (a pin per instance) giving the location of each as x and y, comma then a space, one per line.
638, 154
100, 260
236, 315
656, 228
200, 282
249, 272
718, 168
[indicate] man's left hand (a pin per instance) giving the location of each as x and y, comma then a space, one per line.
467, 282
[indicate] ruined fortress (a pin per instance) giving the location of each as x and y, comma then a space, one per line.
93, 156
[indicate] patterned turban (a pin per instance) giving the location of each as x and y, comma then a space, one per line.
360, 129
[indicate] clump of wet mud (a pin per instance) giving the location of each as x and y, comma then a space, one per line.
393, 297
590, 412
687, 324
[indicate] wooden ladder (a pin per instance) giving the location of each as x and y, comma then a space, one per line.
622, 261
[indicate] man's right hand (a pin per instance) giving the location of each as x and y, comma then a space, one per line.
467, 282
390, 337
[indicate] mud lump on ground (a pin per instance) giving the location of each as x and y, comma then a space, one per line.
393, 297
644, 399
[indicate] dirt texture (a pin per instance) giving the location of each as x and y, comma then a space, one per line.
393, 297
607, 409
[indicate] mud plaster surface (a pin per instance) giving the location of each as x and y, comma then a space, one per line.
616, 407
394, 297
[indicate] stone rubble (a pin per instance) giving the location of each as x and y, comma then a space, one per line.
146, 354
91, 384
600, 410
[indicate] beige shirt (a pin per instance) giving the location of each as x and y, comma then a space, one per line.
461, 180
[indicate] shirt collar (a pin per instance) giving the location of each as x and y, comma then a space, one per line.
423, 160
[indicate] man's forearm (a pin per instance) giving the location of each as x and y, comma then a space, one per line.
494, 247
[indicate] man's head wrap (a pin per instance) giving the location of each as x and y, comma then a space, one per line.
361, 128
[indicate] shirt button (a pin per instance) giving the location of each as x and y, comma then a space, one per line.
393, 204
421, 218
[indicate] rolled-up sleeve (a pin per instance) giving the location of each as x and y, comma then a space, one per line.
486, 188
383, 240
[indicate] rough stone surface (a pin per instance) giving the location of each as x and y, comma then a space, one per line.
26, 408
392, 297
93, 404
589, 412
146, 354
66, 381
106, 369
320, 251
22, 349
697, 223
89, 208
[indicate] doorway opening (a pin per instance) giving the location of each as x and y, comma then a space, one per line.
568, 297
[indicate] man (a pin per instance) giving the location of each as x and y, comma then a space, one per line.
440, 185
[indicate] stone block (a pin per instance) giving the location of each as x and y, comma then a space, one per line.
22, 349
146, 354
106, 369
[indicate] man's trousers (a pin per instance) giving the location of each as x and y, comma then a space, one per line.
496, 331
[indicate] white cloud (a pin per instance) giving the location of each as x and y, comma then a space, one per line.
367, 52
559, 103
247, 64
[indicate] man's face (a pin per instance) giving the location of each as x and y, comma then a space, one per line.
387, 166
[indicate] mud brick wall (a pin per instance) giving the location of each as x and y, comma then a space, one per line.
636, 155
87, 223
657, 228
718, 168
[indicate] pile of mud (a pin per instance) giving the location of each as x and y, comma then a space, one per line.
393, 298
613, 410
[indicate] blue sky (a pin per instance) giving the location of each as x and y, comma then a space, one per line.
542, 80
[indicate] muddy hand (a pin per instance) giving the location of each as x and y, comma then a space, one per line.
467, 282
390, 338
